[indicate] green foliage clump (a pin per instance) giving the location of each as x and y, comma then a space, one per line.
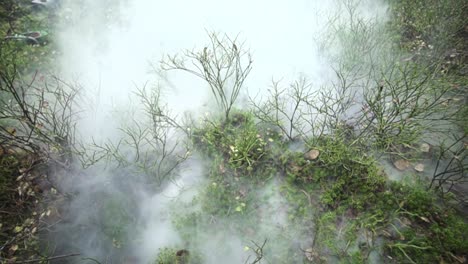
166, 256
174, 256
237, 140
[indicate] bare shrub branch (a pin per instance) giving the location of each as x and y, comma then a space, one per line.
224, 65
150, 145
38, 115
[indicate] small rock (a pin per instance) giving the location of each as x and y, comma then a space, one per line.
425, 147
401, 164
419, 167
311, 155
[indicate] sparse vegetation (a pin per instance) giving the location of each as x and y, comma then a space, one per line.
328, 200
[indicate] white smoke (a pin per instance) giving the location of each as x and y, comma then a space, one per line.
113, 47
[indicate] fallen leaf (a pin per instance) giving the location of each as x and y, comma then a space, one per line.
311, 155
13, 248
425, 147
116, 243
405, 221
419, 167
424, 219
460, 259
386, 233
401, 164
11, 130
311, 254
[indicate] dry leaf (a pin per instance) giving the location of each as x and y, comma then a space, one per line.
386, 233
401, 164
424, 219
13, 248
311, 155
419, 167
11, 130
311, 254
405, 221
460, 259
20, 177
295, 168
424, 147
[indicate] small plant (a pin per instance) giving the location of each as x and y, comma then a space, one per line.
246, 148
238, 141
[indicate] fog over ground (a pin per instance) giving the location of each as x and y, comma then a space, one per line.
110, 48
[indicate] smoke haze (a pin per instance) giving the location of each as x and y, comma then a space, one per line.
111, 48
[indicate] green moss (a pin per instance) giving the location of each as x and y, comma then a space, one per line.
346, 174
